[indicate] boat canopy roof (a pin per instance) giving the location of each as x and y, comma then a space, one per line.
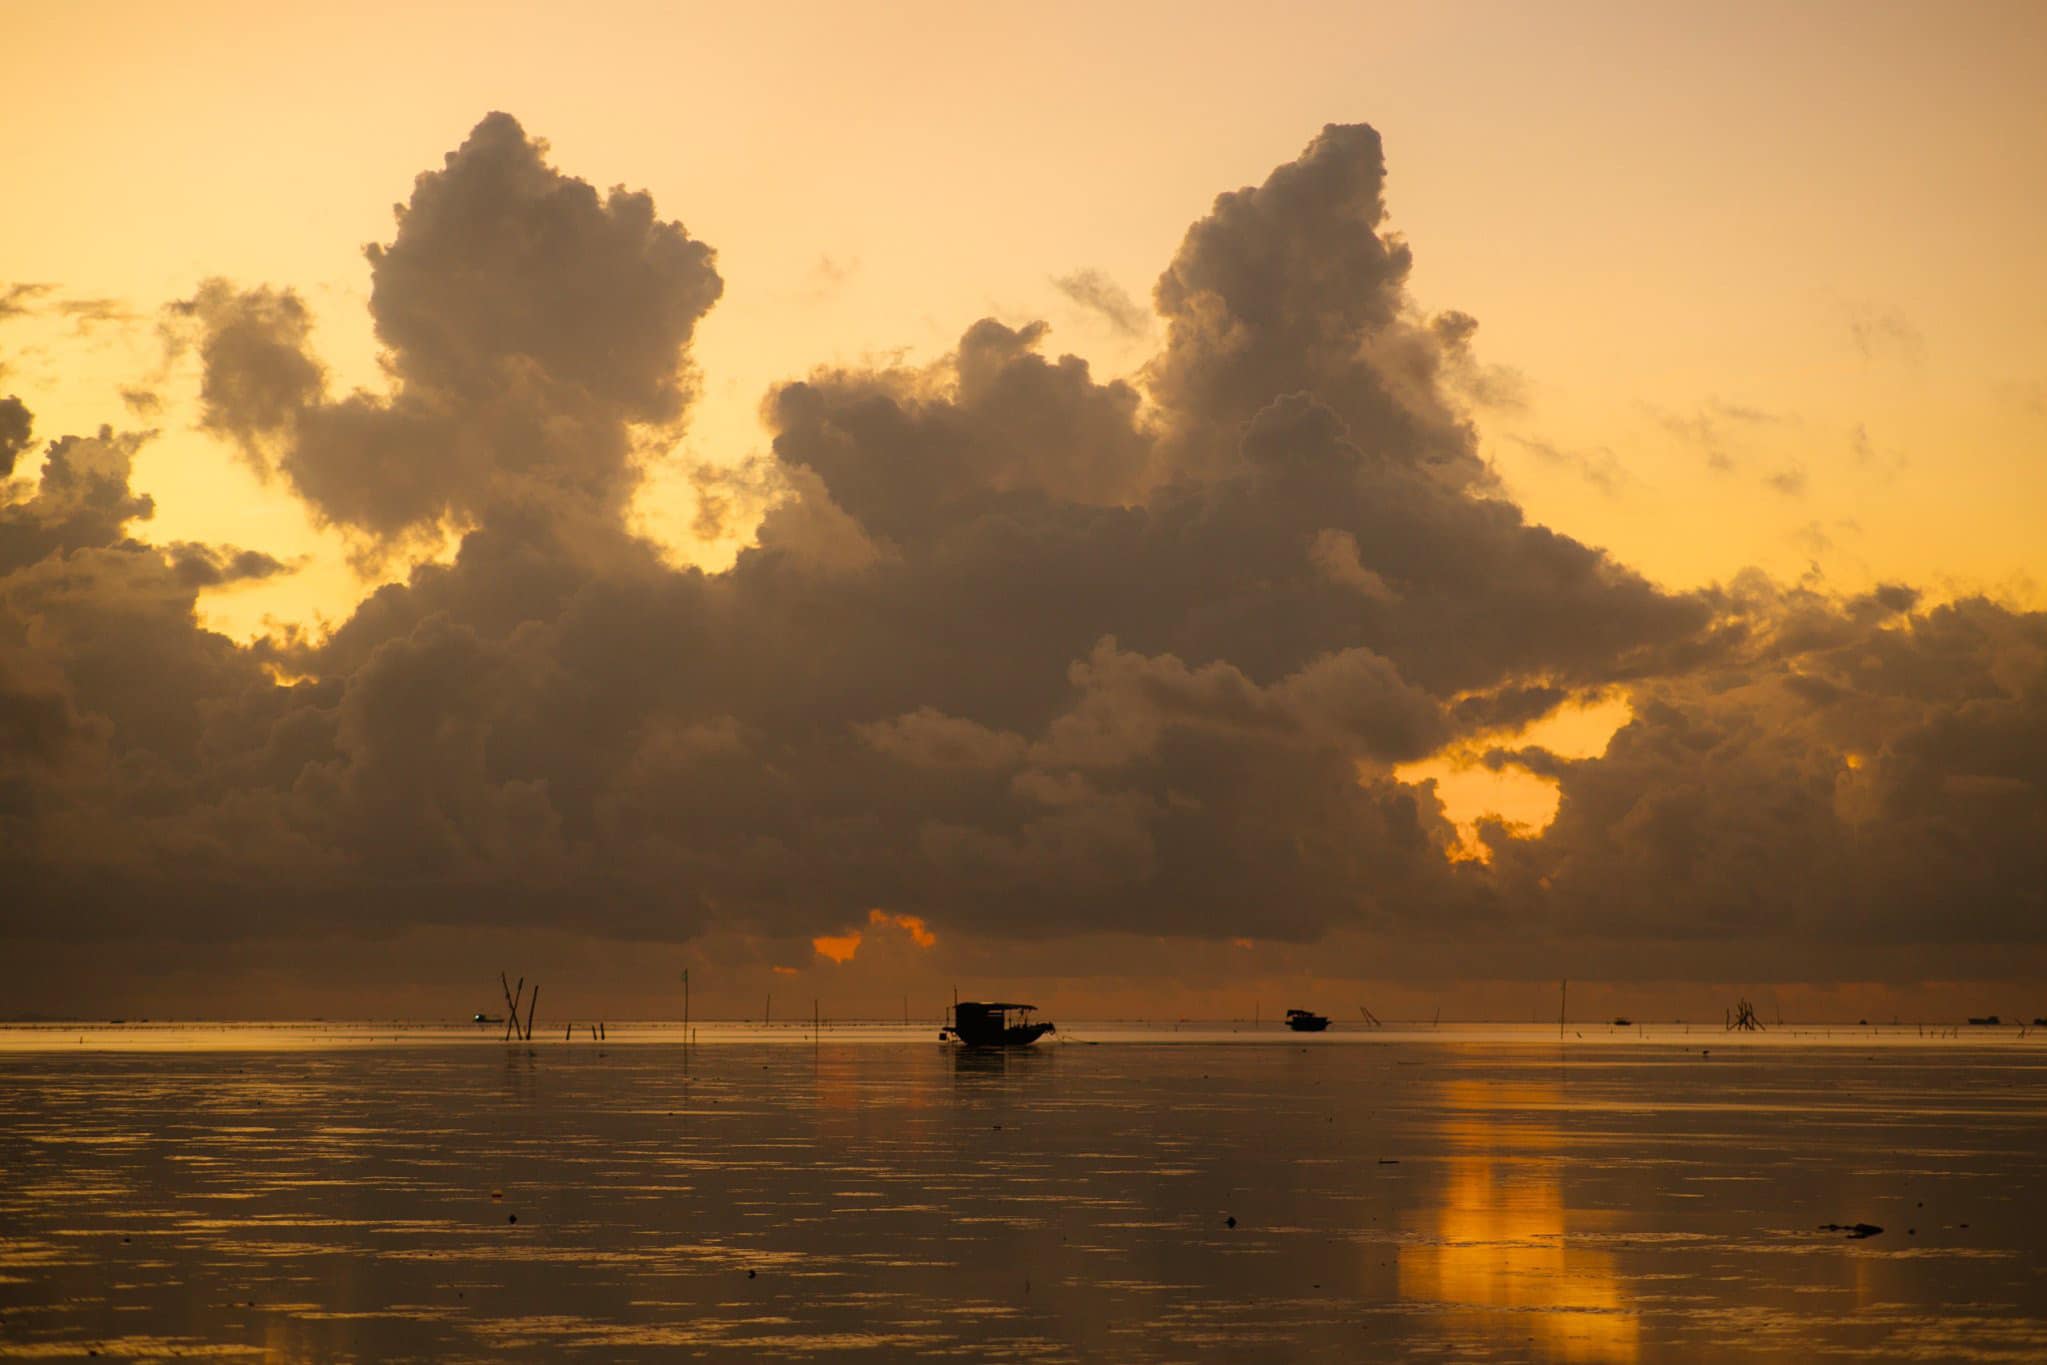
991, 1005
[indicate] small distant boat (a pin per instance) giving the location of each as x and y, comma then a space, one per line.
482, 1018
1306, 1021
1622, 1021
1985, 1021
982, 1023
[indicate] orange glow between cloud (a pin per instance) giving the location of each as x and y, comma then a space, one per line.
919, 932
843, 948
840, 948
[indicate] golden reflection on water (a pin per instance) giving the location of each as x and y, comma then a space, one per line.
1494, 1251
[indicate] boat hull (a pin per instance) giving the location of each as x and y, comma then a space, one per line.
1022, 1035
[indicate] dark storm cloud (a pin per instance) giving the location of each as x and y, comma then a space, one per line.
1016, 650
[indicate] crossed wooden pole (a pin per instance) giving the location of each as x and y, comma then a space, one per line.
512, 999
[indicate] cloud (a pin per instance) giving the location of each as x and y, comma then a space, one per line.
218, 566
86, 315
1788, 480
1497, 387
1871, 774
1294, 286
81, 499
1600, 467
903, 452
1876, 334
258, 377
1013, 651
16, 425
2025, 396
527, 322
1717, 429
141, 402
1336, 554
830, 275
19, 300
1102, 296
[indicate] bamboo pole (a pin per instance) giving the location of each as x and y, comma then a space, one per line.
532, 1003
512, 1003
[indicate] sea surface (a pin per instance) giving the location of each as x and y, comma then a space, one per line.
1125, 1193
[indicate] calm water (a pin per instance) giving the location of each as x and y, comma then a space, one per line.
335, 1194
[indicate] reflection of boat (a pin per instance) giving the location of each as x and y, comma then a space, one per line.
979, 1023
1306, 1021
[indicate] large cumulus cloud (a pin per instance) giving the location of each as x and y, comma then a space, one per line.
526, 320
1016, 650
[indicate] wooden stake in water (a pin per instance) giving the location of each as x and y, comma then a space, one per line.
1563, 1003
511, 1003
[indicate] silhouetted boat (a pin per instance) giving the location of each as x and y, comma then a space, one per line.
1306, 1021
978, 1023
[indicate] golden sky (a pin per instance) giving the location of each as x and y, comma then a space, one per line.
1757, 289
1801, 244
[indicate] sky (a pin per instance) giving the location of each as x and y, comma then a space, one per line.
1570, 506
